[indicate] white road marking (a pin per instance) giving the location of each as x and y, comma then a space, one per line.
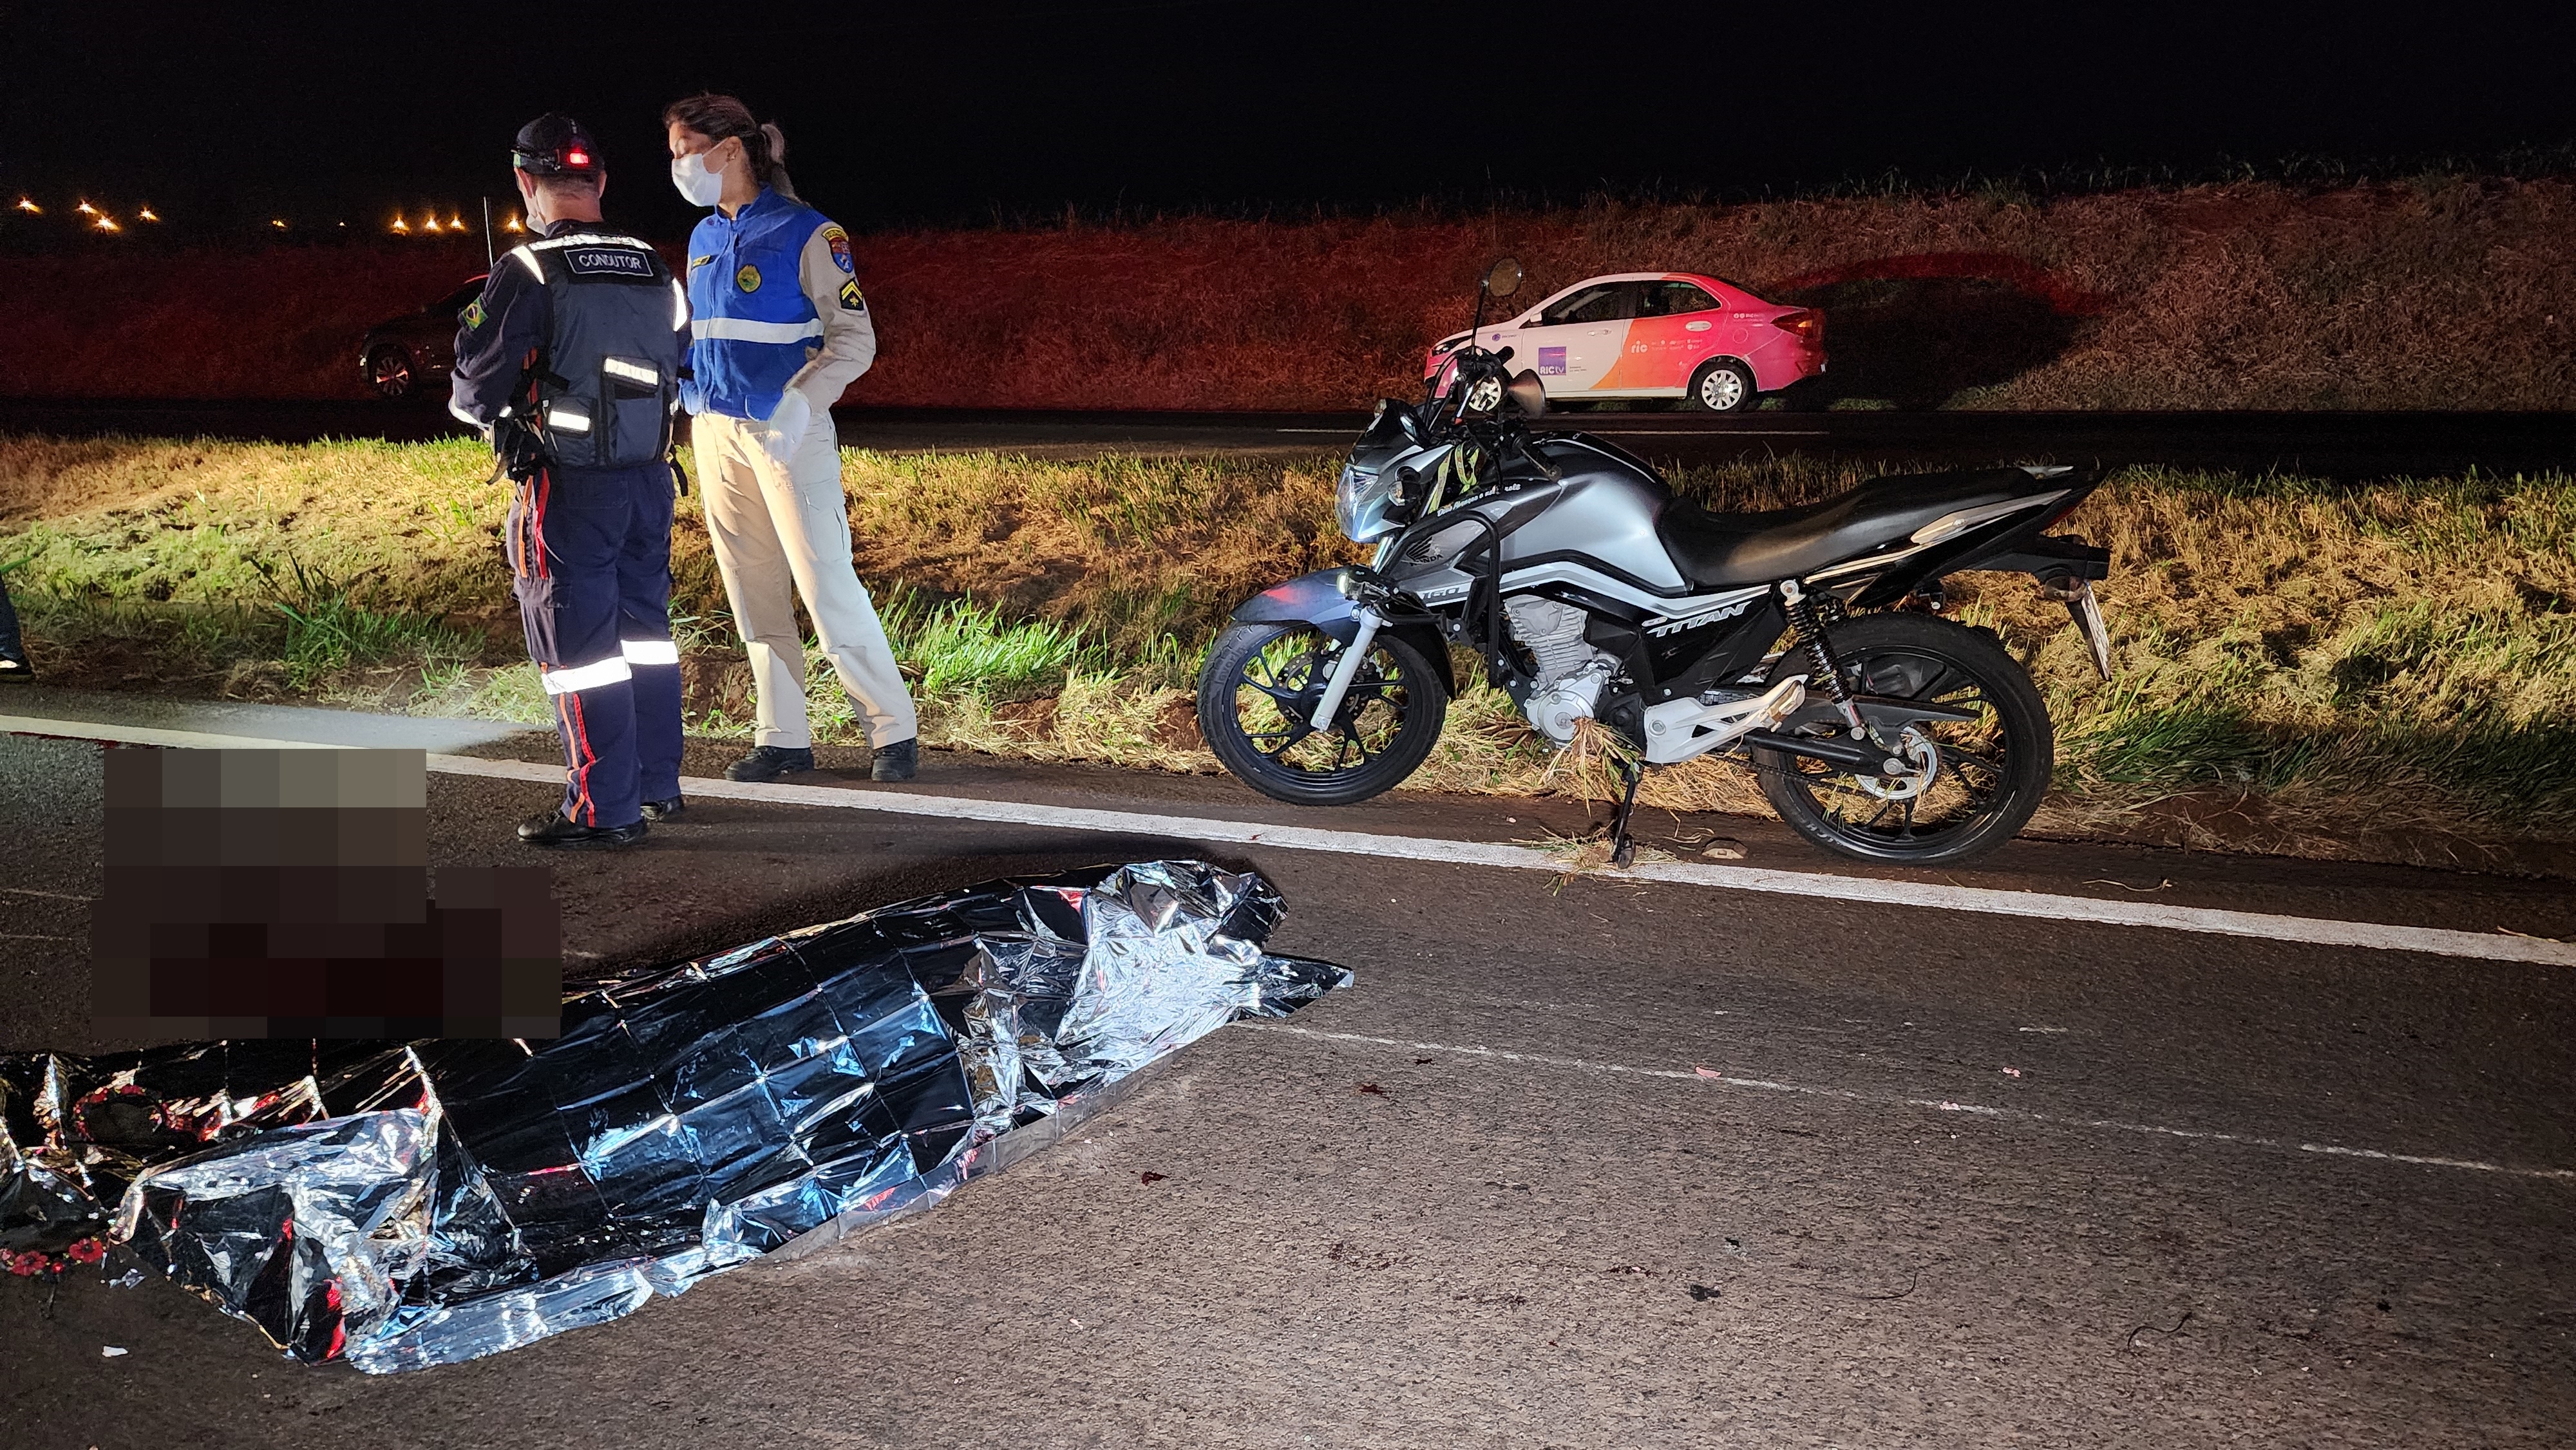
1813, 885
1938, 1105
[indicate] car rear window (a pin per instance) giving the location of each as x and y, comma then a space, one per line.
1605, 302
1672, 299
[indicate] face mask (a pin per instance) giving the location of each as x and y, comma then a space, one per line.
695, 182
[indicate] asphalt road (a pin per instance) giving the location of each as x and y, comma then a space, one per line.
2343, 445
1962, 1178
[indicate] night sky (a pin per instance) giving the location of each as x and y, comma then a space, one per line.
963, 110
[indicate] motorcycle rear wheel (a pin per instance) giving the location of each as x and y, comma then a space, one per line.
1257, 697
1991, 771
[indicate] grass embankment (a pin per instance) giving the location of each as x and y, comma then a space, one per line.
2388, 671
2440, 292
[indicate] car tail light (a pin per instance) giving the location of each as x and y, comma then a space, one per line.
1807, 324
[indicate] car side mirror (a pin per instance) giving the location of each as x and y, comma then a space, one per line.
1504, 280
1527, 393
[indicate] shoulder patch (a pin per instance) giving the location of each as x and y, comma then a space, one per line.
851, 301
696, 262
748, 279
472, 316
839, 241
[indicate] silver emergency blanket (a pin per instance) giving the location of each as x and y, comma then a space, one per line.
400, 1205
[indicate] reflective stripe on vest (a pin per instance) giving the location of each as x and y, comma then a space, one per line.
736, 329
650, 651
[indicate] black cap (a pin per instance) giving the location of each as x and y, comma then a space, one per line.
554, 145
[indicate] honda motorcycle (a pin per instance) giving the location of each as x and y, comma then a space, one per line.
1806, 644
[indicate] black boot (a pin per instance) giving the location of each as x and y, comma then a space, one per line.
552, 829
665, 810
899, 761
769, 762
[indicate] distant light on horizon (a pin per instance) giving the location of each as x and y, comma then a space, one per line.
278, 222
107, 223
28, 204
85, 209
147, 214
400, 225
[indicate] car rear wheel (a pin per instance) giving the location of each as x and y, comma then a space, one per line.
389, 372
1721, 386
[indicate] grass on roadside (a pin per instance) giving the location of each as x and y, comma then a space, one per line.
2297, 659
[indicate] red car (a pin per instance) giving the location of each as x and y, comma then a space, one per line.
1657, 335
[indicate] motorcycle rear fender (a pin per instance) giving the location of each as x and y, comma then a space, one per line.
1329, 599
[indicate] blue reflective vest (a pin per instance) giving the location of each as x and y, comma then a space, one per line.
751, 326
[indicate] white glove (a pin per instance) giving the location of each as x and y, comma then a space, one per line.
787, 425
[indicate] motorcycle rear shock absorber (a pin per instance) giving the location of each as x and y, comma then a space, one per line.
1810, 633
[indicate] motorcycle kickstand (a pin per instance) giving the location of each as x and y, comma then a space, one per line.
1623, 847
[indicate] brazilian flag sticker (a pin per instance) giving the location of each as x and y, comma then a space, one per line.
472, 316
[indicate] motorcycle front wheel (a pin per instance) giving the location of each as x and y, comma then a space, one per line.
1974, 782
1257, 699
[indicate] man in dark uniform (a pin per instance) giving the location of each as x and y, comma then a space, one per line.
570, 365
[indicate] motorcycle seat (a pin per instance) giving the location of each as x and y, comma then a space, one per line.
1730, 550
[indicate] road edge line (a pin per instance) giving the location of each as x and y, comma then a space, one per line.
1978, 900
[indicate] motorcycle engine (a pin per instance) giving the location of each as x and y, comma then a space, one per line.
1571, 671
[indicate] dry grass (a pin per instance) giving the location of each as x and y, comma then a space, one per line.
2385, 671
2446, 292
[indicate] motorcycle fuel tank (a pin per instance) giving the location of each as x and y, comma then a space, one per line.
1599, 514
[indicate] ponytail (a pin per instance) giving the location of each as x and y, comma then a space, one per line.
776, 146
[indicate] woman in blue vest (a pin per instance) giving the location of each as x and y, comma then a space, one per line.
777, 329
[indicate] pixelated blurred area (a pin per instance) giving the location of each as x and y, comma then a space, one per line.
286, 893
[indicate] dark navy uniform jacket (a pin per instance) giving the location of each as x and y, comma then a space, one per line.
613, 347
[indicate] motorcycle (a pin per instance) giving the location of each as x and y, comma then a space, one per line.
1805, 644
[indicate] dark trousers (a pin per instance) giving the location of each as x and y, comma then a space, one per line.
590, 552
11, 647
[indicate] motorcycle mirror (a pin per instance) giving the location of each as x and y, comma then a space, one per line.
1411, 423
1505, 279
1504, 356
1527, 393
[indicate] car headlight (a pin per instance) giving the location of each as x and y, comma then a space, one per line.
1361, 504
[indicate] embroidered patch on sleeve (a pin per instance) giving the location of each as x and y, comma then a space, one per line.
472, 316
851, 301
839, 241
696, 262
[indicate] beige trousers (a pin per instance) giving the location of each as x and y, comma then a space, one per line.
779, 528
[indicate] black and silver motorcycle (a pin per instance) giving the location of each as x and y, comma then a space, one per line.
1805, 643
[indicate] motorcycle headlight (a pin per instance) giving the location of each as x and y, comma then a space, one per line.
1362, 504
